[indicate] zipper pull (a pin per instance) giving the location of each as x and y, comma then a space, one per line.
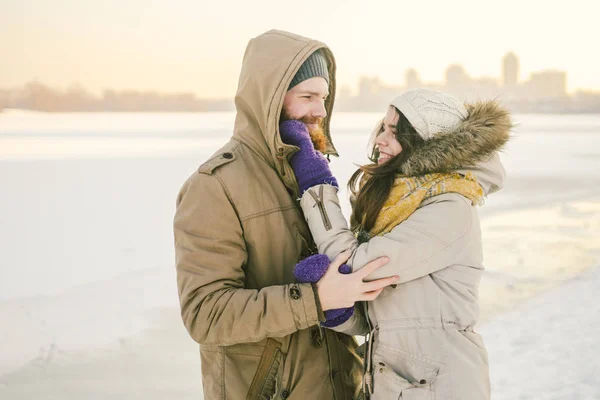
321, 205
280, 158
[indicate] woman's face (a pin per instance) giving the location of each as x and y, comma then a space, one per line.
386, 142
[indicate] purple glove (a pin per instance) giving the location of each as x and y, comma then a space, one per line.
309, 165
311, 270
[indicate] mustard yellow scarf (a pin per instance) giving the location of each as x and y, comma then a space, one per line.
407, 193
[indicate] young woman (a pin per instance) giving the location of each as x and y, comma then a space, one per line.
433, 160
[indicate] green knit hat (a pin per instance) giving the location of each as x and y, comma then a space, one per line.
315, 65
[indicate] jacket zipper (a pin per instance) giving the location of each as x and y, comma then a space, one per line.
368, 363
319, 203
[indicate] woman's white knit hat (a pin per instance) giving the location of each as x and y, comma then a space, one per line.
430, 112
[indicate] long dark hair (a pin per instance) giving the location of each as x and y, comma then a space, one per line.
377, 180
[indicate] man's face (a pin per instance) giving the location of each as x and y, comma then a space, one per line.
306, 102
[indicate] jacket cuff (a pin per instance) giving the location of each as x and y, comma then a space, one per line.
303, 304
320, 312
355, 325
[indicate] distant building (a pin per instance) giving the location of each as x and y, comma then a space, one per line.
546, 85
373, 95
510, 71
587, 101
461, 85
4, 98
412, 79
456, 76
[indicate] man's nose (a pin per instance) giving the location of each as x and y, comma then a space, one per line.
320, 111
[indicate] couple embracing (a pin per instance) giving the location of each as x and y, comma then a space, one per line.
274, 282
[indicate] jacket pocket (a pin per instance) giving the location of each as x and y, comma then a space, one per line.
399, 376
264, 383
390, 385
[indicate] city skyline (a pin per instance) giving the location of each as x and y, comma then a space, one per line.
189, 46
542, 91
412, 78
545, 83
453, 74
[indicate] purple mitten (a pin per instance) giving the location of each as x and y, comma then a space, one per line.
311, 270
337, 317
309, 165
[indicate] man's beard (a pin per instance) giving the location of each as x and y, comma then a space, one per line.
317, 134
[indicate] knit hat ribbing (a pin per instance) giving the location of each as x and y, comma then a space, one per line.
315, 65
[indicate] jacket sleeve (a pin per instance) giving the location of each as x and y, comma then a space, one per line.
356, 324
210, 254
426, 242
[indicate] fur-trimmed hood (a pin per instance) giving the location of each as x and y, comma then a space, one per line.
472, 146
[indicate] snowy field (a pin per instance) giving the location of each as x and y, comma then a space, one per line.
88, 301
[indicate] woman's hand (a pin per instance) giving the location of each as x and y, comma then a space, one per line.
296, 133
337, 290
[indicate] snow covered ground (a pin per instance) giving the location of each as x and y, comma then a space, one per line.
88, 303
549, 347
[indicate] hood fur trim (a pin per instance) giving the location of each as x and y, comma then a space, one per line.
484, 132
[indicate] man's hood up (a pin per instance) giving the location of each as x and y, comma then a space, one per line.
270, 62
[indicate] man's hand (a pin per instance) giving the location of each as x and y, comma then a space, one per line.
337, 290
